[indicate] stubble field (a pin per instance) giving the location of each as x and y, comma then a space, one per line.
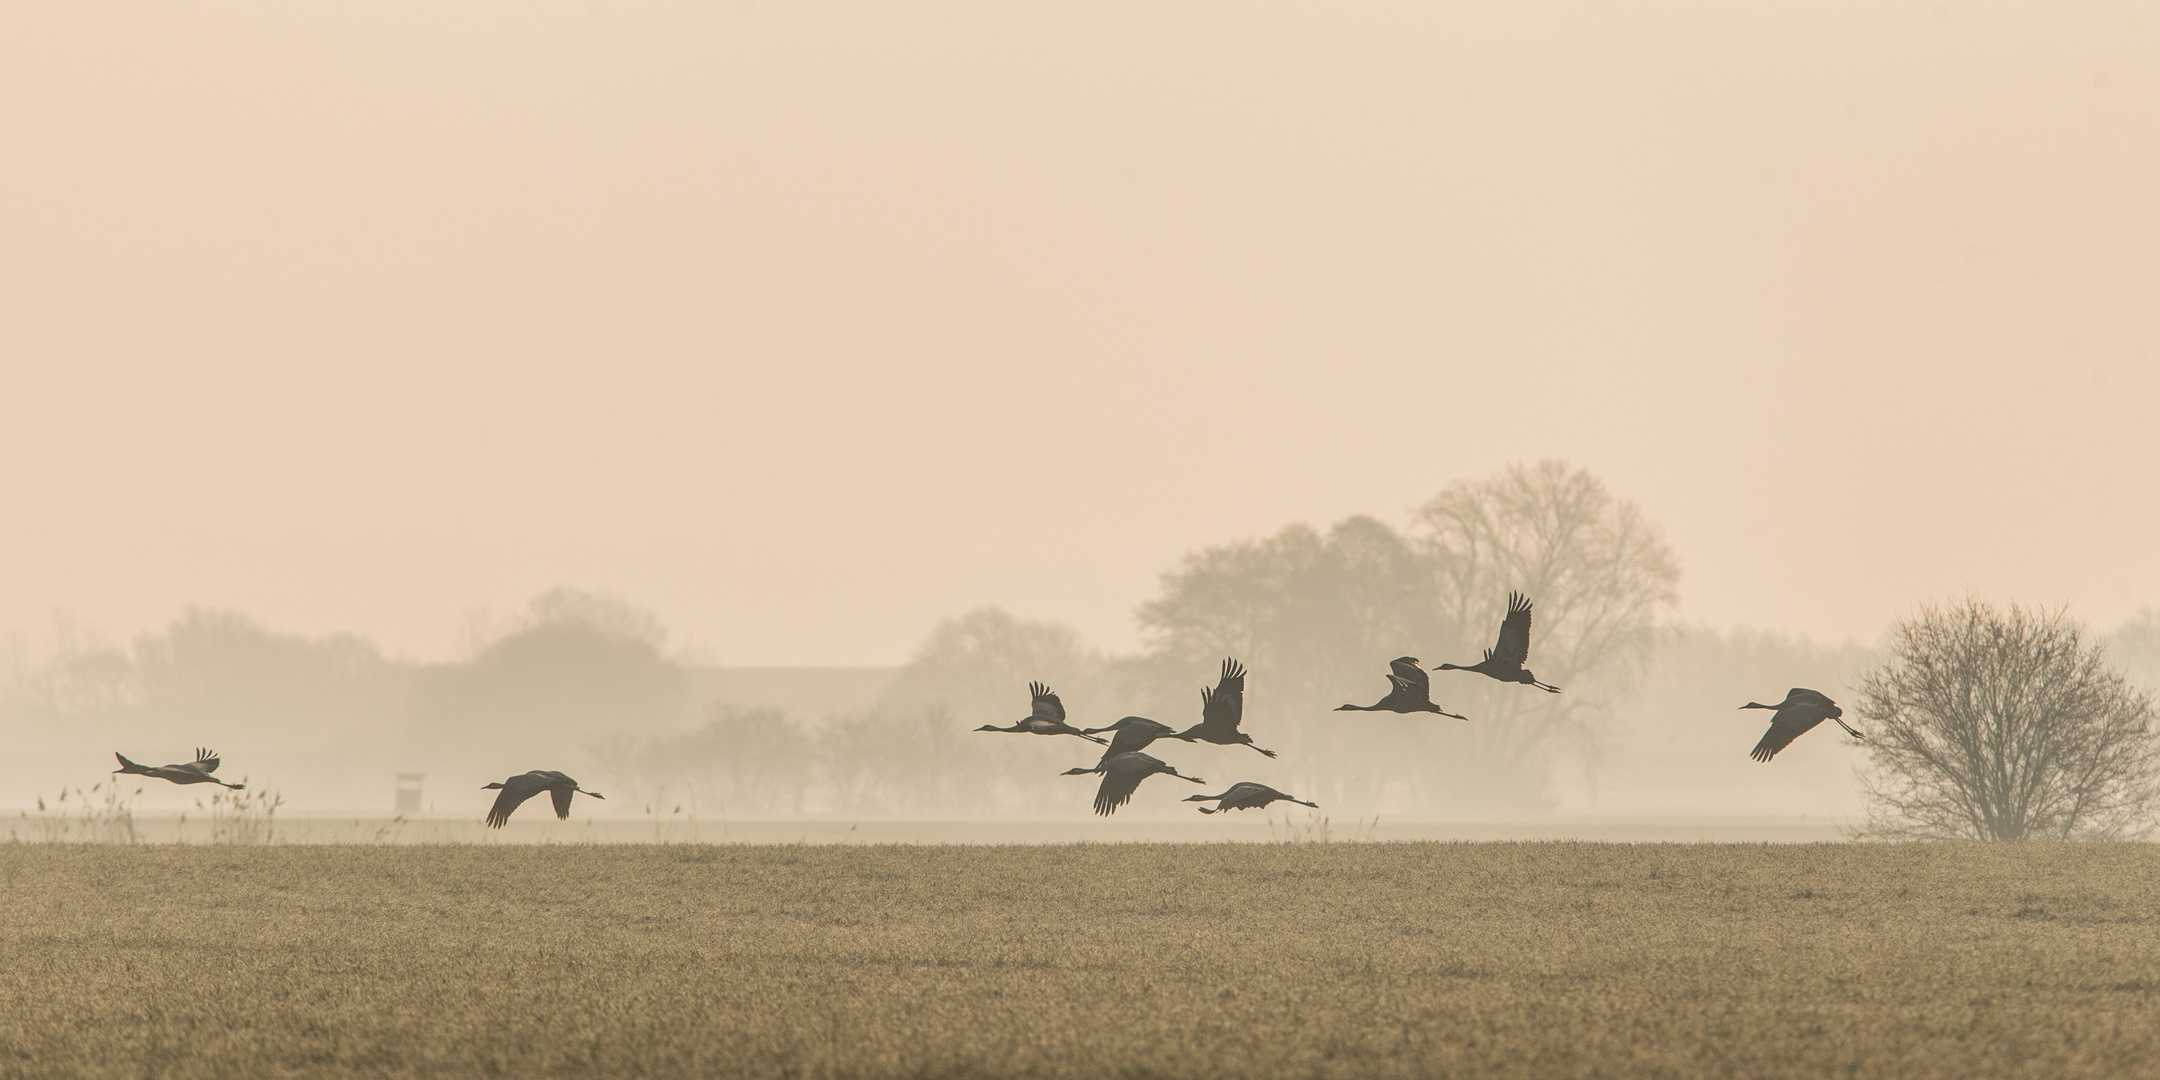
1335, 960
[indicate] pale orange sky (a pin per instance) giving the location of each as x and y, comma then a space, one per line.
805, 326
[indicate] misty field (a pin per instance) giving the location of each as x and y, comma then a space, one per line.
1412, 959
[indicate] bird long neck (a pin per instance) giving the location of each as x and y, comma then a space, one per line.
1755, 705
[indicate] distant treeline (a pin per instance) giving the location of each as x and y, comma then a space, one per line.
583, 681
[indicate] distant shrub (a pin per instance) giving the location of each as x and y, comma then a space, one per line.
1993, 725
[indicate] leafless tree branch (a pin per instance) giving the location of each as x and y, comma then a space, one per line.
1995, 725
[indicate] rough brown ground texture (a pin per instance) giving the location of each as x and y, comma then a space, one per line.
1350, 960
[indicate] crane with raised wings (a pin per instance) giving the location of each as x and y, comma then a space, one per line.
1409, 691
1221, 711
1505, 660
1047, 717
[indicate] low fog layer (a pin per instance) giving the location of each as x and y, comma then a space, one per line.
941, 348
1647, 725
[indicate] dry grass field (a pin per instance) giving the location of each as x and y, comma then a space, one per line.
1336, 960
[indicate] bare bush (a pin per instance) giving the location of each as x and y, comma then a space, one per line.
1994, 725
245, 817
102, 815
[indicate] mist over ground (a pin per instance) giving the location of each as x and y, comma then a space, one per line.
595, 685
737, 407
741, 403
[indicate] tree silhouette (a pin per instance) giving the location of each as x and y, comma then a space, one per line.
1993, 725
742, 762
1317, 616
576, 670
1603, 580
1314, 617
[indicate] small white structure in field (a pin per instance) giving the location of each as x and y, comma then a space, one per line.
408, 793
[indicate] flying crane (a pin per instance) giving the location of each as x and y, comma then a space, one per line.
1505, 660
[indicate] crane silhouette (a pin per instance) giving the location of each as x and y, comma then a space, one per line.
1221, 710
1504, 661
1047, 719
1134, 733
1410, 690
524, 786
1246, 795
1121, 776
189, 772
1795, 716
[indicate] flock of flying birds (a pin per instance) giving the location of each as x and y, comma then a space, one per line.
515, 790
1123, 764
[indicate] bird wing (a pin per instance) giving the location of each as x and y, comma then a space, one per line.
1408, 673
1801, 695
1399, 696
562, 800
1047, 705
1786, 725
1121, 777
515, 791
1513, 648
1134, 737
1226, 704
1407, 693
182, 772
206, 761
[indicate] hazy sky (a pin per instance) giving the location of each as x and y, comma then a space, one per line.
807, 325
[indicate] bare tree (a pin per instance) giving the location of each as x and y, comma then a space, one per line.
1603, 579
1990, 725
79, 674
1313, 614
1317, 616
222, 668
